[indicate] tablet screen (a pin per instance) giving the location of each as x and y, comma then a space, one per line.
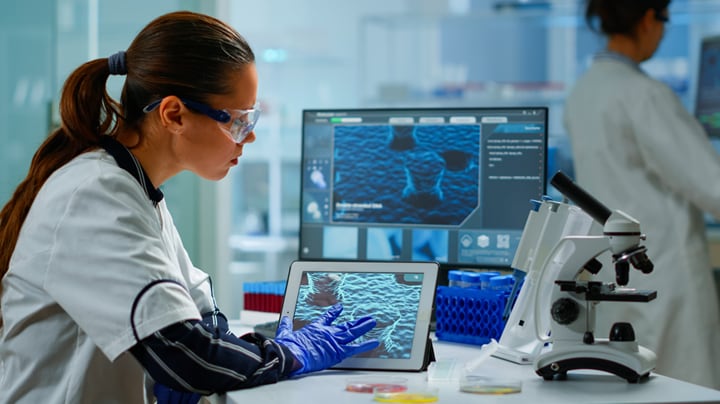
398, 295
391, 299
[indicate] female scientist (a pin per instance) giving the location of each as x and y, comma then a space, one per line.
637, 149
97, 289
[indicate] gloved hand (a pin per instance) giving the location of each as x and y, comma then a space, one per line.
321, 344
166, 395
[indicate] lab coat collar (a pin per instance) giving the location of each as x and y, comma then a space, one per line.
607, 54
129, 163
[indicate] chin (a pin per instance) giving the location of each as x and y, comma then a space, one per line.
214, 176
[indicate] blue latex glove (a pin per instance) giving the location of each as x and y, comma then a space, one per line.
321, 344
166, 395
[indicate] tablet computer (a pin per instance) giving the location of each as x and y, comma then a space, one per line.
398, 295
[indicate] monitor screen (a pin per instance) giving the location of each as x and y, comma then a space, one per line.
445, 185
707, 101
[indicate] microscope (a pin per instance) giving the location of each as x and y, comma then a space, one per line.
574, 345
527, 327
556, 306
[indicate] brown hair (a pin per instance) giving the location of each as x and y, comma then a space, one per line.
182, 53
620, 16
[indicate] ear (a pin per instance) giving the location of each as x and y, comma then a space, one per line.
172, 113
647, 20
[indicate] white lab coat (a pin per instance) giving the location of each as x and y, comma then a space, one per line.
637, 149
91, 242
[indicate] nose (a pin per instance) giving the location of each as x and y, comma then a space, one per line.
249, 138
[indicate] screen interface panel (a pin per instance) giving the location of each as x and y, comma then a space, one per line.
707, 105
392, 299
445, 185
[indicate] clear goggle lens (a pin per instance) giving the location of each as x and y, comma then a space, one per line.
242, 123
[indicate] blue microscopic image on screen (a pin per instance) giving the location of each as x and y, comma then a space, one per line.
405, 173
429, 245
391, 299
340, 242
384, 243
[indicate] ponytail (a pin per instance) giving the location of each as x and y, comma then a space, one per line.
87, 112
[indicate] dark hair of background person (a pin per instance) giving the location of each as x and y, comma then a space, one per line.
620, 16
185, 54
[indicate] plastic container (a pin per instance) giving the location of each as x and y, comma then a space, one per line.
420, 395
502, 283
264, 296
471, 280
485, 278
455, 278
368, 384
478, 384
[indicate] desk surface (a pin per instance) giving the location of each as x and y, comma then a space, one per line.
580, 387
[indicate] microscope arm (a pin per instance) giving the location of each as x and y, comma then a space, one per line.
566, 262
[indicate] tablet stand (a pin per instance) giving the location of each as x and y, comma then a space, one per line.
429, 355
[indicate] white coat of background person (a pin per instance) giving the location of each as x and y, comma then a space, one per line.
636, 148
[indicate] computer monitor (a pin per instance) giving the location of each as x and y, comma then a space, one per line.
451, 185
707, 100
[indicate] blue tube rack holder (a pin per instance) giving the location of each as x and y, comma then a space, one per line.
469, 315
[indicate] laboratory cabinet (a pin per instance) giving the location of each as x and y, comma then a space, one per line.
413, 54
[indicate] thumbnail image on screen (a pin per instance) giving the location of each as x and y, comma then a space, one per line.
391, 299
446, 185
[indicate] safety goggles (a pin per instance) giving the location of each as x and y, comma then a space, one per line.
242, 121
662, 16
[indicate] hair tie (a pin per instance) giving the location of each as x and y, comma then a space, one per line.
116, 63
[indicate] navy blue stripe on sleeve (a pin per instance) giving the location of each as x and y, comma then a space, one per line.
205, 357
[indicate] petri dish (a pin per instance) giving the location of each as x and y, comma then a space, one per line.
410, 396
489, 385
368, 384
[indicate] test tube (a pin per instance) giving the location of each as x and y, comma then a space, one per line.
485, 278
471, 280
502, 283
455, 278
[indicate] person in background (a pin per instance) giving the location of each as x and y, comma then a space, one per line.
100, 301
637, 149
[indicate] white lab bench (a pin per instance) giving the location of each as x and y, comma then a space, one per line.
580, 387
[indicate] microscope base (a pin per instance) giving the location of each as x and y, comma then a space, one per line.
620, 359
519, 356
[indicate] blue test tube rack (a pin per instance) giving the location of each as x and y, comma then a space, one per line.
470, 315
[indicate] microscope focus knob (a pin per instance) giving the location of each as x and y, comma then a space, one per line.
622, 332
565, 311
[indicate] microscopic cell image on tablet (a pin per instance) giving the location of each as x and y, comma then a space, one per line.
398, 295
391, 299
